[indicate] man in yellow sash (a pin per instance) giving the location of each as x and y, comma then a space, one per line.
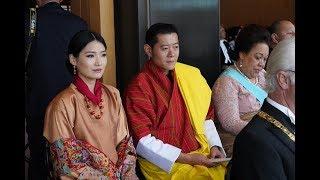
169, 114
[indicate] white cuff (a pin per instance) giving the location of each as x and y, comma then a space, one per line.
158, 153
212, 135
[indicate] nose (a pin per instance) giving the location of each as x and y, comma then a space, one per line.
98, 61
171, 52
262, 62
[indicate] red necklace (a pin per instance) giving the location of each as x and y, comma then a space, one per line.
91, 111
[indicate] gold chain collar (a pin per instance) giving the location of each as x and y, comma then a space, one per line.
277, 124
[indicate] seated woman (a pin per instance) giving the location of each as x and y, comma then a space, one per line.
239, 92
86, 124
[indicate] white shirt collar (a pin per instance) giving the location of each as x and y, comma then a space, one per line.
225, 51
283, 109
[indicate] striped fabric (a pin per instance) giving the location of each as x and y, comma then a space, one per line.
155, 106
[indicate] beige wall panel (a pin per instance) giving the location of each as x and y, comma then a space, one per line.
263, 12
99, 15
107, 31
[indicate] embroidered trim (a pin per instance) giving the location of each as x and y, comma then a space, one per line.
277, 124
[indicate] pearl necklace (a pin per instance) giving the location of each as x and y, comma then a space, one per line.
256, 79
91, 111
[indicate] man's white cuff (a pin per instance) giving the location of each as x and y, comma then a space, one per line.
212, 135
161, 154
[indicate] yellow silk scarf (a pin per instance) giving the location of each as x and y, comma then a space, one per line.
197, 96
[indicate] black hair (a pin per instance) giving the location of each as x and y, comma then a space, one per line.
249, 36
79, 41
274, 27
158, 28
232, 32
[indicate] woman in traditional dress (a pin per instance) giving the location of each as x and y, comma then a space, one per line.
239, 92
85, 124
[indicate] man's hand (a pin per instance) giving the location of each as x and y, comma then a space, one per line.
215, 152
195, 159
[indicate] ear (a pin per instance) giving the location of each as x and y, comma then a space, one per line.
148, 50
283, 80
72, 60
242, 55
274, 38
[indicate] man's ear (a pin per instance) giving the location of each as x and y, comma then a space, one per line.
148, 50
283, 80
274, 38
72, 60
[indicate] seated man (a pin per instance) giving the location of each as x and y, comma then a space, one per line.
265, 148
167, 106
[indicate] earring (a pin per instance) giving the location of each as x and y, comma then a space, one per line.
74, 70
240, 63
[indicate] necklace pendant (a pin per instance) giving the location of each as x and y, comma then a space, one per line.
91, 111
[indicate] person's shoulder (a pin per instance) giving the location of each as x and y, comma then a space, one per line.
73, 19
257, 129
187, 67
54, 12
141, 83
62, 98
64, 15
112, 93
110, 89
141, 78
74, 16
225, 81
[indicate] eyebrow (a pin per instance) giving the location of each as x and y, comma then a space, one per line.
94, 52
169, 44
259, 54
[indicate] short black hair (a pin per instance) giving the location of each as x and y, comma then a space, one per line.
274, 27
159, 28
232, 32
249, 36
79, 41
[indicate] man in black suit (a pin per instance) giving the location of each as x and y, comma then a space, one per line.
225, 56
265, 148
47, 73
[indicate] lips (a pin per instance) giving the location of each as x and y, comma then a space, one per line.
170, 62
97, 70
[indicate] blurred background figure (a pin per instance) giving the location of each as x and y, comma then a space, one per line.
232, 33
280, 30
224, 49
46, 73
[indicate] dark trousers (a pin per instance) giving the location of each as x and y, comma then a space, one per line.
38, 169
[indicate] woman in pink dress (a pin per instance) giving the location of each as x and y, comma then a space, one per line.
239, 92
